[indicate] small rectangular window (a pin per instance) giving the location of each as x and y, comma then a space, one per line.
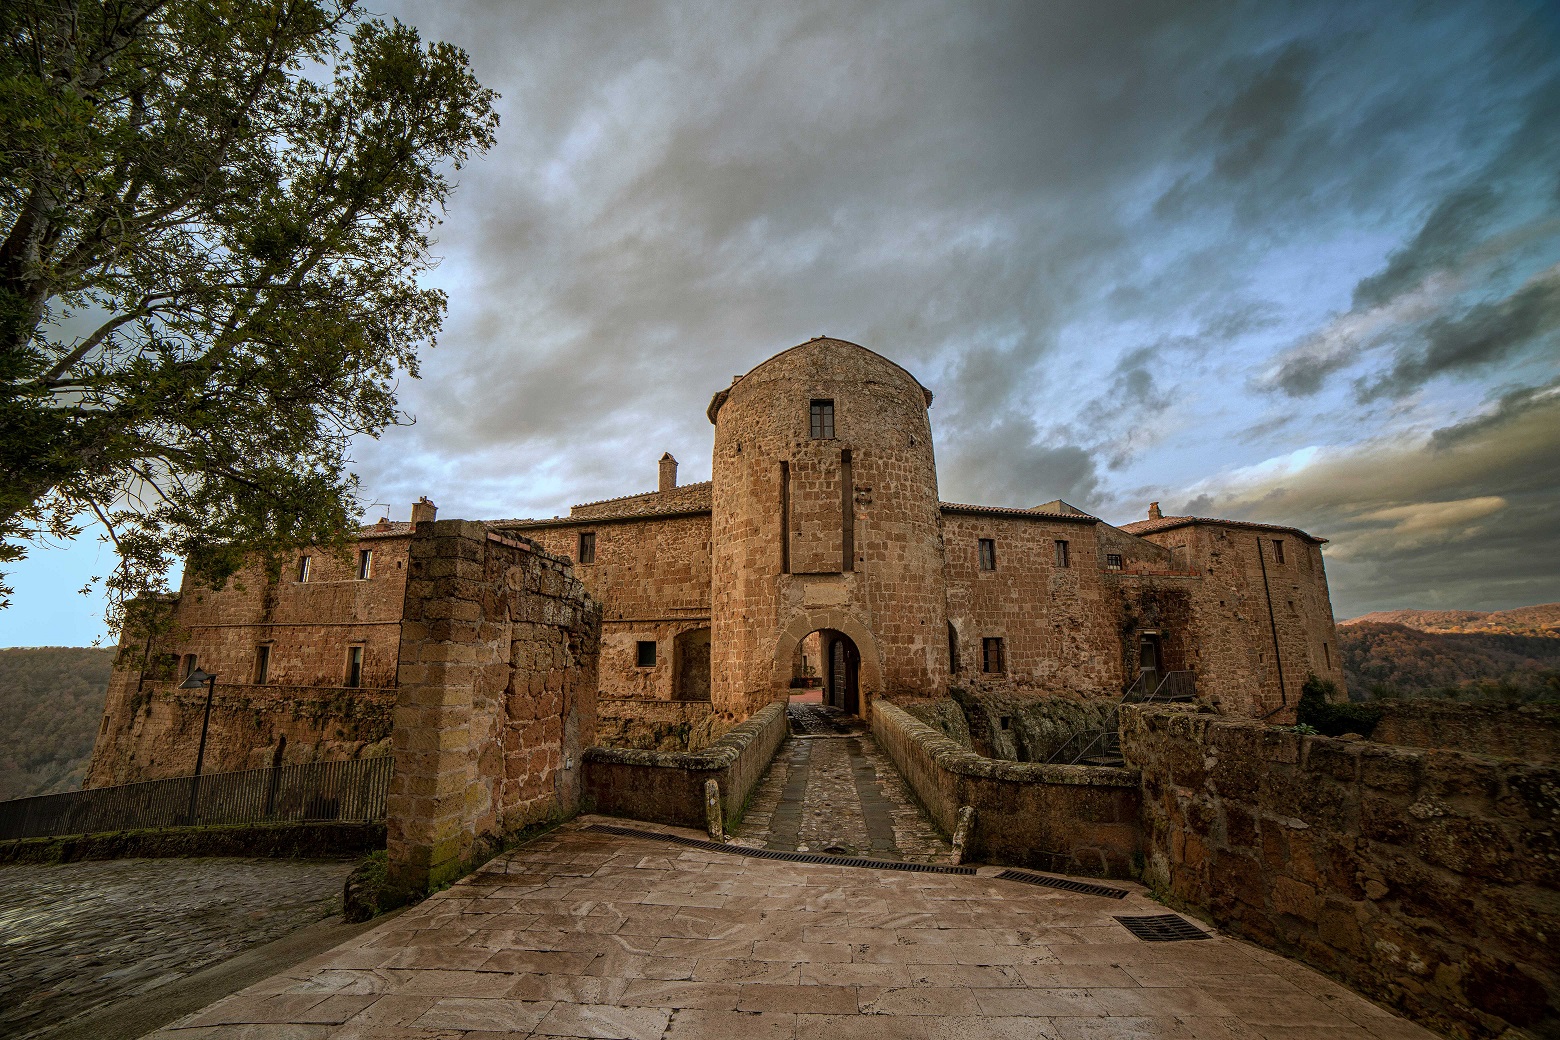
587, 546
365, 564
991, 655
262, 664
988, 554
1278, 550
1113, 561
1327, 655
646, 654
354, 666
822, 420
1062, 559
303, 569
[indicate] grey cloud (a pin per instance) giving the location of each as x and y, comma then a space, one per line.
1510, 407
1485, 334
1264, 112
1460, 220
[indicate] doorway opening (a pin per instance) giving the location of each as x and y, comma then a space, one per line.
1151, 662
827, 670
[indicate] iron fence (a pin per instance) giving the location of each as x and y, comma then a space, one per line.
351, 791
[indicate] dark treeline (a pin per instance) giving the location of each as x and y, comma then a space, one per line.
51, 703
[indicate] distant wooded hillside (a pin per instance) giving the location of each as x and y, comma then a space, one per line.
1397, 660
51, 702
1541, 620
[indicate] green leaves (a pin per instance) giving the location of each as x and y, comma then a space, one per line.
212, 220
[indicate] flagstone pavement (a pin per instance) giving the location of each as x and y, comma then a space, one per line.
586, 934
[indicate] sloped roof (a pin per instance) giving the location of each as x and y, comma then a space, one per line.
1166, 523
1038, 513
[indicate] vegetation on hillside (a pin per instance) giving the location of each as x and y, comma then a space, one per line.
51, 702
1382, 660
1540, 620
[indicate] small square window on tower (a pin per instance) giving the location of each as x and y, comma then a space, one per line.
262, 664
988, 554
1062, 557
645, 656
587, 552
991, 656
1113, 561
1278, 550
365, 564
303, 569
354, 666
822, 420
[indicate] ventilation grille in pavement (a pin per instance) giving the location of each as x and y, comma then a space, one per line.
1065, 884
788, 857
1163, 928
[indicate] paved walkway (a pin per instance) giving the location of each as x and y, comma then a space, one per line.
585, 934
830, 789
79, 936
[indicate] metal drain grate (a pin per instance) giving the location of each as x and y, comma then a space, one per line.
1065, 884
1163, 928
778, 854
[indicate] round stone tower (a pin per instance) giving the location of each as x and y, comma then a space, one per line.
825, 519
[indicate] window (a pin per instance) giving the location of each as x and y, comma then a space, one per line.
953, 650
365, 564
991, 655
262, 664
645, 658
823, 420
186, 666
988, 554
303, 569
587, 546
354, 666
1327, 655
1062, 559
1005, 721
1278, 550
1113, 561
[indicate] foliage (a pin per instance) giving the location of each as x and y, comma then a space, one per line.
213, 215
1385, 660
1318, 708
51, 702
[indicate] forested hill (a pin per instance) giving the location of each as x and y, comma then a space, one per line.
51, 702
1541, 620
1384, 660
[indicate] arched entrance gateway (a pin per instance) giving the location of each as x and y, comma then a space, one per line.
832, 654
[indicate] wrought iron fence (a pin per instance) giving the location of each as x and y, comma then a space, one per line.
347, 791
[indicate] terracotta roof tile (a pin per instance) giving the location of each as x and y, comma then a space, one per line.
1165, 523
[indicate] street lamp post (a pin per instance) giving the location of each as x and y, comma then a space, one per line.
194, 681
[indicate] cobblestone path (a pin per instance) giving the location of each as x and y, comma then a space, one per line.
830, 789
78, 936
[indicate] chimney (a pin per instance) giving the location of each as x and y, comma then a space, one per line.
1153, 511
422, 509
668, 472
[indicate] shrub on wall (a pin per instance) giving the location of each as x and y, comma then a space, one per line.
1319, 707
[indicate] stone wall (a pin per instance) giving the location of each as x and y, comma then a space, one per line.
496, 699
156, 730
1070, 819
1015, 727
1426, 878
657, 725
1530, 732
668, 787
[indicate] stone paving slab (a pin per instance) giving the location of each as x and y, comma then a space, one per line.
585, 934
76, 937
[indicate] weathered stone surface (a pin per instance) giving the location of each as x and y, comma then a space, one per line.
1425, 877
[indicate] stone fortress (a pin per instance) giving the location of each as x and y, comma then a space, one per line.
819, 554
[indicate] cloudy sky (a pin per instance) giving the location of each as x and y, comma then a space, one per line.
1297, 263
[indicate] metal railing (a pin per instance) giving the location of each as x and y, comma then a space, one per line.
352, 791
1104, 740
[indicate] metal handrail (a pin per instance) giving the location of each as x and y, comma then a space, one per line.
1179, 683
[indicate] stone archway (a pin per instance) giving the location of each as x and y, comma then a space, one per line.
869, 677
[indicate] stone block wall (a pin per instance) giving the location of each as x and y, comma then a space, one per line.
1530, 732
668, 787
496, 698
657, 725
1070, 819
1426, 878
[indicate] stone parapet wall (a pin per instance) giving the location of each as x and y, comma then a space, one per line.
1530, 732
651, 724
668, 787
1071, 819
496, 699
1426, 878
